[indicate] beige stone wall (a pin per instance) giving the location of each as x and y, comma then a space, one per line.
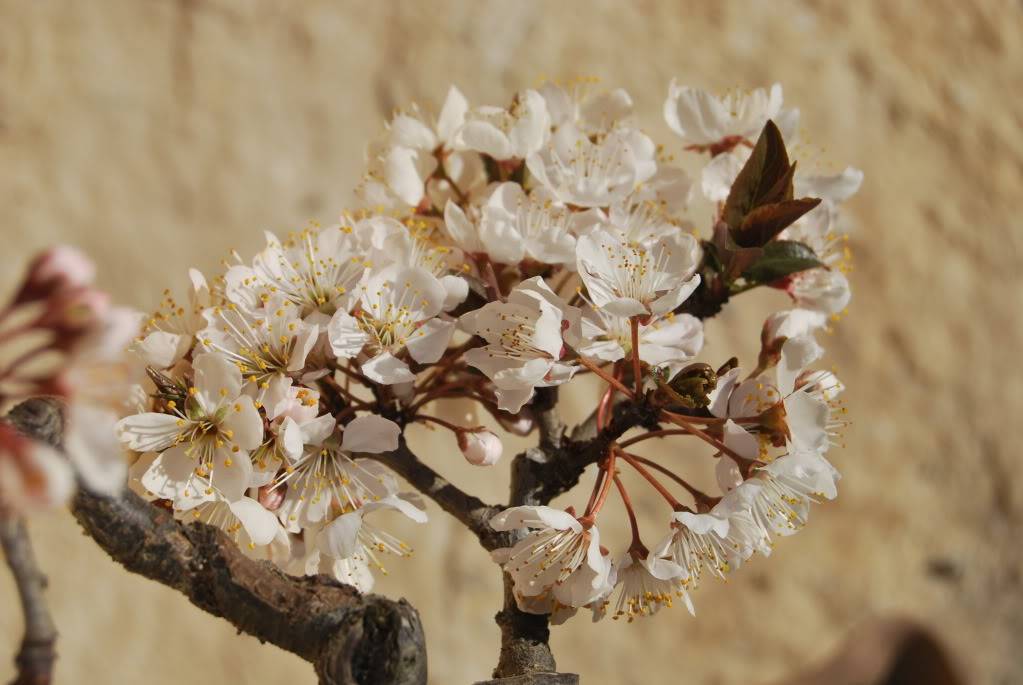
157, 134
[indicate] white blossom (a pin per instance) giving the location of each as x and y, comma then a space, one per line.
632, 280
558, 555
396, 316
526, 338
578, 171
209, 437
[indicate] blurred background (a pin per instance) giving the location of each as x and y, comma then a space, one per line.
157, 135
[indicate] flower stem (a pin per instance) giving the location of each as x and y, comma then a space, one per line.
655, 434
680, 420
637, 543
650, 478
637, 373
607, 377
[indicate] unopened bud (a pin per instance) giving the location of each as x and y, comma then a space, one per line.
272, 497
59, 269
521, 424
480, 447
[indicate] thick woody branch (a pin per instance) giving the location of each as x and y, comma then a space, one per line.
545, 474
349, 638
473, 512
36, 655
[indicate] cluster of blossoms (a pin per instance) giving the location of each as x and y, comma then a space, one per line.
60, 337
501, 252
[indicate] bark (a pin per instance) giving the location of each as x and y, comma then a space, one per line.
37, 653
349, 638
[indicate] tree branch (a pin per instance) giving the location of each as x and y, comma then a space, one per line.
36, 655
349, 638
473, 512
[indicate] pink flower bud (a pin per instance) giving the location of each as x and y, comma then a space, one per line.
481, 447
271, 498
59, 269
65, 264
517, 424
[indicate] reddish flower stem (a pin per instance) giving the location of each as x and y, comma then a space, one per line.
680, 420
619, 386
636, 365
655, 434
637, 543
650, 478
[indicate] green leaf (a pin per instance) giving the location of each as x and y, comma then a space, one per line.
766, 221
782, 258
766, 177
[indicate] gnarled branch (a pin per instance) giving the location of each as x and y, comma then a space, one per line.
348, 637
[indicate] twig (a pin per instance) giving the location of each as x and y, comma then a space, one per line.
471, 511
36, 655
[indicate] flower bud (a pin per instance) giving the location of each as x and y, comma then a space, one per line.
59, 269
272, 497
480, 447
521, 424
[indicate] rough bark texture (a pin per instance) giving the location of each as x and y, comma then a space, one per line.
348, 637
37, 653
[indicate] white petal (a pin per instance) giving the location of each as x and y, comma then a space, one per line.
387, 369
740, 441
370, 433
290, 438
796, 355
345, 336
452, 114
428, 343
260, 524
407, 131
149, 432
243, 418
92, 446
161, 349
402, 174
484, 137
216, 377
340, 539
232, 473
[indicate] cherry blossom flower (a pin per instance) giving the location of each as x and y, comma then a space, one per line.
268, 345
526, 338
558, 555
332, 476
397, 314
703, 119
648, 584
403, 163
632, 280
578, 171
170, 332
513, 226
208, 436
666, 341
579, 104
506, 133
60, 336
316, 270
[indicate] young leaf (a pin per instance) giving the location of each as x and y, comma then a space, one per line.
766, 221
766, 177
782, 258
